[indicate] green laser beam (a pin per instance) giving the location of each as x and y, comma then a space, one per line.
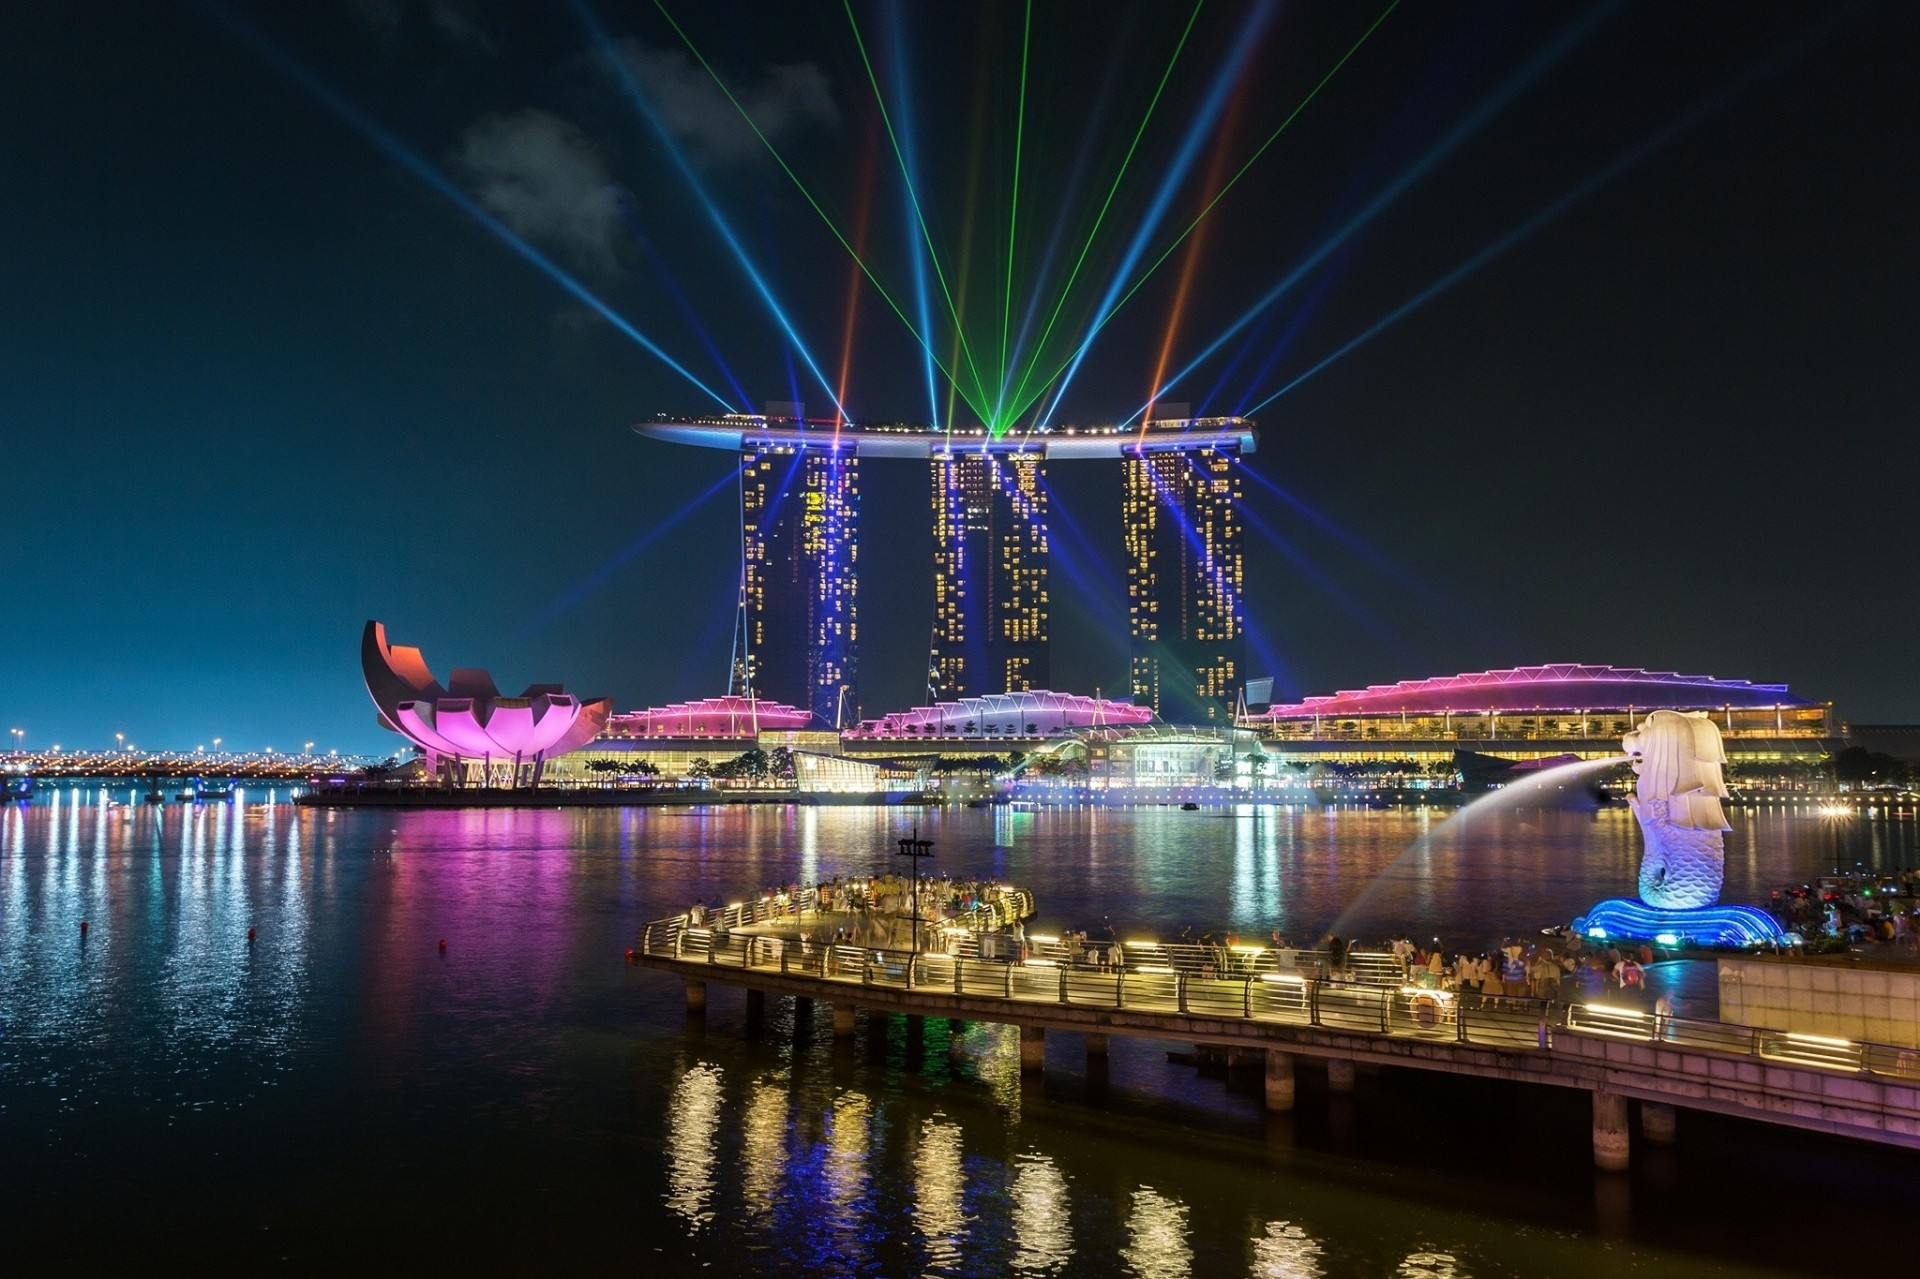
1013, 211
913, 197
1101, 323
970, 213
1060, 300
802, 187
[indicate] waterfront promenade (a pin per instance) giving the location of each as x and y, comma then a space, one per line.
1272, 1016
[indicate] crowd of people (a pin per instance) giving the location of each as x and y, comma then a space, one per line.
1880, 912
861, 911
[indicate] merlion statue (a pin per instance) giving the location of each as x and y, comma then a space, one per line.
1679, 762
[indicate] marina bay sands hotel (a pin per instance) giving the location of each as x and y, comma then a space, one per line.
800, 536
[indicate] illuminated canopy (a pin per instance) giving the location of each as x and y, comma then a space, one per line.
468, 719
1030, 714
728, 716
1570, 687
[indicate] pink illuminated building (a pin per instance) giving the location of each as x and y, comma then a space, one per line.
468, 731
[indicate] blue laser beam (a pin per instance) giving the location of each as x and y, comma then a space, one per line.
682, 302
630, 86
1191, 144
1288, 335
320, 91
1525, 77
903, 115
1685, 122
1069, 199
621, 558
1084, 566
1370, 622
1378, 560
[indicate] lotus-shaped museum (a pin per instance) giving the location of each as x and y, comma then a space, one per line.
467, 729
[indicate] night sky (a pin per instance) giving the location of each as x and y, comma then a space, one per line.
262, 379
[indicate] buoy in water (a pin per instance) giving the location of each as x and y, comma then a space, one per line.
83, 928
249, 934
629, 954
443, 943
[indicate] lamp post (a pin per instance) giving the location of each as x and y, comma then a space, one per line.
916, 848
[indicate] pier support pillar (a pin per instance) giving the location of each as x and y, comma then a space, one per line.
843, 1021
1096, 1045
1033, 1047
1339, 1074
1609, 1130
756, 1004
696, 996
1279, 1080
1657, 1122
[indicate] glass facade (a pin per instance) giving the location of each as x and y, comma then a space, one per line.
1185, 578
990, 574
800, 523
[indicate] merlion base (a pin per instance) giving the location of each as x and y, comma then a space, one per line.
1624, 919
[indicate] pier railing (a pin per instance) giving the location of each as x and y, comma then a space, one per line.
1331, 1001
1824, 1052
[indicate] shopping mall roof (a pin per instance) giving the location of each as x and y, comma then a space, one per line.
1568, 687
731, 716
1038, 713
737, 431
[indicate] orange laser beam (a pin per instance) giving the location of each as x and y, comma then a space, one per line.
1216, 174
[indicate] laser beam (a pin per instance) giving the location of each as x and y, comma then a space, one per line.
1020, 398
913, 198
344, 109
621, 558
1106, 318
896, 28
1529, 73
1685, 122
1246, 41
630, 86
808, 195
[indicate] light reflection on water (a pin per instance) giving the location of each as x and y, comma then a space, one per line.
1286, 1251
342, 1034
1157, 1237
1042, 1228
846, 1174
939, 1201
763, 1147
693, 1116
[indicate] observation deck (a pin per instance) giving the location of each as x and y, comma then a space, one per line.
1267, 1009
737, 431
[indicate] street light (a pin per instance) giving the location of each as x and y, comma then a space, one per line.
915, 847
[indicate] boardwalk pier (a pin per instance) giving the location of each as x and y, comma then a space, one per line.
1246, 1002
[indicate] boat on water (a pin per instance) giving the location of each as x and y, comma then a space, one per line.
1189, 807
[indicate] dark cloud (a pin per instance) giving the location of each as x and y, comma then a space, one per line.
541, 176
782, 100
